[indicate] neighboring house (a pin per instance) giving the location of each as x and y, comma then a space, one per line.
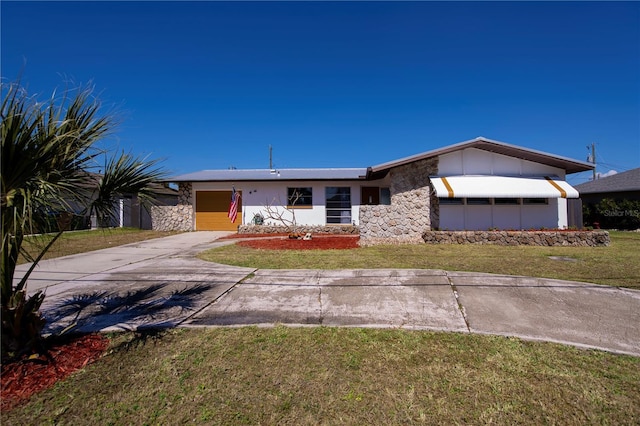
621, 186
622, 191
474, 185
128, 212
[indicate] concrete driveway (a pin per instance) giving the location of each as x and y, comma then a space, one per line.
160, 283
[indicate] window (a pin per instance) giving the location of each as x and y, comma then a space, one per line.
299, 197
478, 201
506, 201
385, 196
535, 201
374, 195
451, 201
338, 204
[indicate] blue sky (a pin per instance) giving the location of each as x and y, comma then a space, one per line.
209, 85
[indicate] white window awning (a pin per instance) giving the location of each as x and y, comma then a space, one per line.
483, 186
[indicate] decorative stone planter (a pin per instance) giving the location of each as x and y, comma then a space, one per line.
302, 230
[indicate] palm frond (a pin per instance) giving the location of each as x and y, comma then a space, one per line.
125, 175
48, 150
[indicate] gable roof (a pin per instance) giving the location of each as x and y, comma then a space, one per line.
568, 164
381, 170
620, 182
267, 175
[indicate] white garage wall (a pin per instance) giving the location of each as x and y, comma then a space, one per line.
541, 216
507, 217
478, 217
452, 218
472, 161
482, 218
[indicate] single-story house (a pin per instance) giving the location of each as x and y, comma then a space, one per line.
131, 213
621, 186
478, 184
622, 210
127, 212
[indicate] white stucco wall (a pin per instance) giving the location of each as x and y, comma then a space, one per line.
473, 161
503, 217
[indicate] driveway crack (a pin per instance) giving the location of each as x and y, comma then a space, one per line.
220, 296
321, 315
463, 312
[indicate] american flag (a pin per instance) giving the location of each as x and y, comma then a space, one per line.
233, 208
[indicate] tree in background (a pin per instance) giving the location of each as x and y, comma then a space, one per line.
611, 213
49, 155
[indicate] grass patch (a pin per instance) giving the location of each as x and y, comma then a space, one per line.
616, 265
329, 375
83, 241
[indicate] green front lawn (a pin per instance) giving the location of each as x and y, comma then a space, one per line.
616, 265
323, 375
83, 241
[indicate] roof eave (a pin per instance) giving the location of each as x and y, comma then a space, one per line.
271, 176
568, 164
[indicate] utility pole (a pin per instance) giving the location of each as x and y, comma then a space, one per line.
591, 158
270, 157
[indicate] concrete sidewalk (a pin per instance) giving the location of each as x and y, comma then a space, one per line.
160, 283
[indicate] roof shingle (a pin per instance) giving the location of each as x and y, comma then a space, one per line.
621, 182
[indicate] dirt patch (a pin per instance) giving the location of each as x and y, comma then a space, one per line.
23, 378
321, 242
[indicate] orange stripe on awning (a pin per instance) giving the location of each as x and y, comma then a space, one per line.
563, 193
449, 188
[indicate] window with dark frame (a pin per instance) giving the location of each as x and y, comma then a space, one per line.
385, 196
506, 201
338, 204
478, 201
299, 197
451, 201
539, 201
489, 201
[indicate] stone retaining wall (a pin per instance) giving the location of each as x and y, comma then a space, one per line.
318, 229
388, 225
514, 238
172, 218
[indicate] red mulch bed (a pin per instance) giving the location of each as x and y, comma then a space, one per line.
236, 236
318, 242
23, 378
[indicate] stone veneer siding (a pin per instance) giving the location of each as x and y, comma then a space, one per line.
314, 229
172, 218
413, 209
178, 217
514, 238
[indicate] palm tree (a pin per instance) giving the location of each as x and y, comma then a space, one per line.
49, 154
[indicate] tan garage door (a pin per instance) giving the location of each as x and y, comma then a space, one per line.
212, 208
